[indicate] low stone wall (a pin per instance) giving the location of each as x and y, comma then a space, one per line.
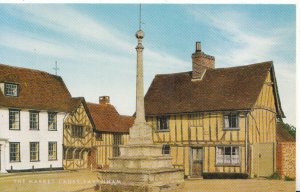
286, 159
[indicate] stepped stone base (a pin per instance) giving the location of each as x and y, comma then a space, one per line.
141, 168
142, 179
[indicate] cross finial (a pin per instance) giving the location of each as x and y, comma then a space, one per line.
140, 17
56, 68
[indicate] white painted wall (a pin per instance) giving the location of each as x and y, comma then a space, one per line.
24, 136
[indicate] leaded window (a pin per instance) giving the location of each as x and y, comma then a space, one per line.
34, 151
14, 152
14, 119
52, 150
52, 121
34, 120
77, 131
228, 155
11, 89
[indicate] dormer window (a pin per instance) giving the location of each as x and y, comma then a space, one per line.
11, 89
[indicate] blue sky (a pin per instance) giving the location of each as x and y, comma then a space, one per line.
94, 43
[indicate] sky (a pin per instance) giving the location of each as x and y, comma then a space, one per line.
94, 44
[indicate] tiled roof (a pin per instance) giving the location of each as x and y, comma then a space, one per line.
282, 135
107, 119
37, 90
234, 88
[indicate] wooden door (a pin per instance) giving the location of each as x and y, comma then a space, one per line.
196, 162
91, 159
263, 159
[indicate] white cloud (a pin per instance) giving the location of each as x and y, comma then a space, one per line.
248, 45
73, 23
72, 35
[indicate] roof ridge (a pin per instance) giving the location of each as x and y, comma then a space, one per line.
163, 74
247, 65
126, 116
221, 68
29, 69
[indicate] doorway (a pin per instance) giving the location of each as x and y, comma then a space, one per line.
196, 161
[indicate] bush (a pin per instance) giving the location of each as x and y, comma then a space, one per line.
275, 176
225, 176
287, 178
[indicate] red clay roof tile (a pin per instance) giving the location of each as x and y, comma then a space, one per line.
37, 90
107, 119
234, 88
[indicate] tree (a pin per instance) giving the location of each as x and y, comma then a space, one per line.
290, 128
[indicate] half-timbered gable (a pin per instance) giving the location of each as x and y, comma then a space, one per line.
78, 136
217, 119
111, 130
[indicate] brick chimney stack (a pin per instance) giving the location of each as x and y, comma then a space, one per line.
201, 62
104, 100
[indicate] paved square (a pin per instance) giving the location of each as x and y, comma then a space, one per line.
85, 180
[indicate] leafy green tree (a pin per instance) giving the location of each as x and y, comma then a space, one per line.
290, 128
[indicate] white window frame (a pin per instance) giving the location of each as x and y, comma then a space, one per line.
14, 119
33, 120
52, 121
228, 121
232, 159
34, 148
11, 89
52, 150
16, 151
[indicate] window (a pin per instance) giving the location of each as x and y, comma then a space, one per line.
52, 150
52, 121
99, 137
78, 155
14, 152
34, 120
166, 149
11, 89
117, 140
163, 123
228, 155
14, 119
77, 131
231, 121
69, 154
34, 151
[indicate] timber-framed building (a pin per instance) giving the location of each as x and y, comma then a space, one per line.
93, 133
217, 120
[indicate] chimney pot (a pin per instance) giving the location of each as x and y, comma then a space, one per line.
104, 100
201, 62
198, 46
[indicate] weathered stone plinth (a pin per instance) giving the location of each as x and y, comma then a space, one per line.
142, 180
141, 168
